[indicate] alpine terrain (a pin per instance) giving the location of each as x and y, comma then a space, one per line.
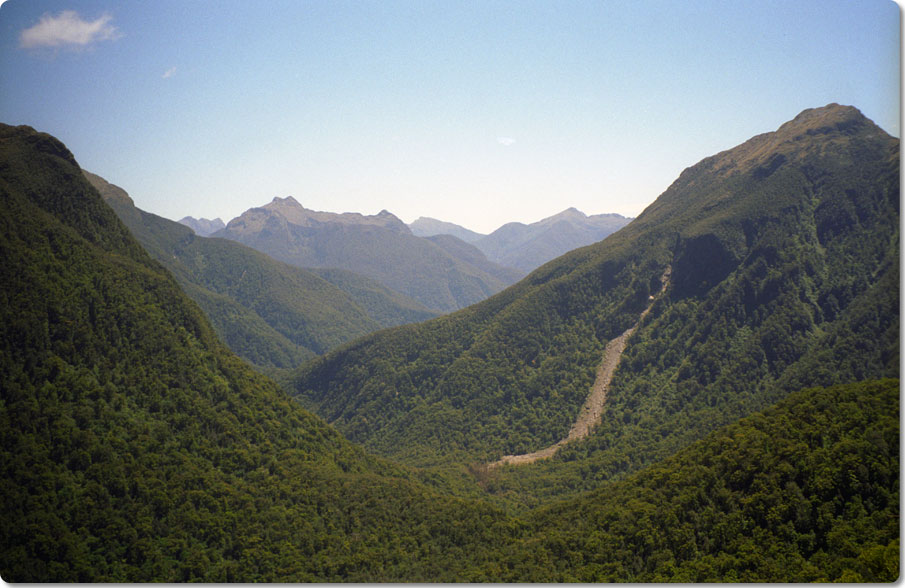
527, 247
380, 246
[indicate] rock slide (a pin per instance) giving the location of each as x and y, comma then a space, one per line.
592, 410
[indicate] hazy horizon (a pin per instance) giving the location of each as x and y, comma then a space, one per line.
475, 113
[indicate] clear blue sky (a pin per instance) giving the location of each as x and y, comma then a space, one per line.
477, 112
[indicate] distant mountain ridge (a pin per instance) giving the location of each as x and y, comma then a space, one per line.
528, 246
378, 246
268, 312
425, 226
202, 226
292, 211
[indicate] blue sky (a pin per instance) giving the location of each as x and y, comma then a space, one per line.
478, 113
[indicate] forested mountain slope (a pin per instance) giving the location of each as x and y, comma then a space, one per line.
806, 491
136, 447
379, 246
268, 312
785, 273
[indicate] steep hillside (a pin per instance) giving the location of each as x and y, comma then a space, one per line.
135, 447
459, 249
807, 491
784, 274
388, 308
527, 247
380, 246
202, 226
266, 311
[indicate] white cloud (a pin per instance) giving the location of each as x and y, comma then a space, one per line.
169, 73
67, 29
506, 141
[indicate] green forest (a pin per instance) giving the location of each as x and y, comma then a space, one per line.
269, 313
750, 433
779, 281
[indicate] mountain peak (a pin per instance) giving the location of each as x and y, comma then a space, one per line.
287, 201
202, 226
823, 120
815, 130
569, 213
291, 211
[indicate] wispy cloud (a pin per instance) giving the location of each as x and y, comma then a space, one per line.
68, 29
505, 141
169, 73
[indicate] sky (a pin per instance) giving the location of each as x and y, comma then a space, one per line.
473, 112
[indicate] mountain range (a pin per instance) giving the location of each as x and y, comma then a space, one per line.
442, 276
527, 247
747, 321
783, 264
136, 447
268, 312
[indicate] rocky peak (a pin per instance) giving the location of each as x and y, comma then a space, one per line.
291, 211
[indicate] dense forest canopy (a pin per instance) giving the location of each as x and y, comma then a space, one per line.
136, 447
748, 435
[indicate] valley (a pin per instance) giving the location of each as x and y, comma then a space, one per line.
778, 282
709, 393
270, 313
